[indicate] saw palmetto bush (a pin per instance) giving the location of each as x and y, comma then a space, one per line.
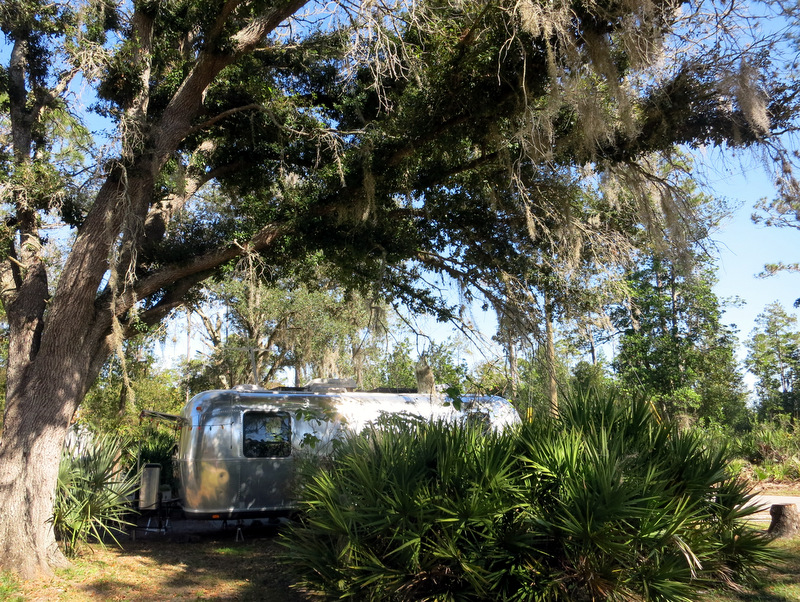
604, 502
635, 509
93, 493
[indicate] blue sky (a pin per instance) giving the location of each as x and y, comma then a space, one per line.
745, 247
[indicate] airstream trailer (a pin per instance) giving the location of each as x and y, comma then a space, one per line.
238, 448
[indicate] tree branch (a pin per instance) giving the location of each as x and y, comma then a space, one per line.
186, 103
174, 298
203, 264
223, 115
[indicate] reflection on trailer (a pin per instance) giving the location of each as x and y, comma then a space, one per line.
237, 448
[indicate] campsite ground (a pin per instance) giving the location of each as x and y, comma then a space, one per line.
192, 563
204, 561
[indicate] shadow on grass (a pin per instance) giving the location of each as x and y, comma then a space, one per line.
203, 563
780, 583
208, 563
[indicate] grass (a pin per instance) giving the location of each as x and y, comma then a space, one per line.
9, 588
777, 584
155, 569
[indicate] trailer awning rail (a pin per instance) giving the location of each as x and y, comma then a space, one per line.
160, 416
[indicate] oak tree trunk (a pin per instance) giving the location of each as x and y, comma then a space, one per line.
29, 461
53, 357
43, 396
38, 412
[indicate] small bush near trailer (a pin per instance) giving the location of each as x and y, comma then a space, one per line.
93, 493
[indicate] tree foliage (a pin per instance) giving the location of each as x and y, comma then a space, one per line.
395, 368
673, 343
256, 323
674, 346
125, 387
783, 211
774, 358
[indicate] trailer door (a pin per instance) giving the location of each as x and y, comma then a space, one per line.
267, 464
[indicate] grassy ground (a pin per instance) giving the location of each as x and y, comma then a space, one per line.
204, 567
778, 584
216, 567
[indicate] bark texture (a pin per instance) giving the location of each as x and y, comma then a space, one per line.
785, 520
29, 460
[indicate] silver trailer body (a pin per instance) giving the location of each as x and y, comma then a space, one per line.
238, 448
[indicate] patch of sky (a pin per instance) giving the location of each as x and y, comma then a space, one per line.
743, 247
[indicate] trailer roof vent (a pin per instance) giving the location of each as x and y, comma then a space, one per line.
248, 388
331, 385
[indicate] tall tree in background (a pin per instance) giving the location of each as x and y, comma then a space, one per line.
256, 326
567, 280
391, 138
395, 368
127, 386
674, 345
774, 358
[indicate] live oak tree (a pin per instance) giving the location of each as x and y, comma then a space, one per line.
447, 136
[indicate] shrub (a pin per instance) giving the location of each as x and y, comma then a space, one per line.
605, 502
158, 447
93, 493
768, 442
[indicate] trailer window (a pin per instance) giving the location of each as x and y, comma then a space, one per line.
479, 420
267, 434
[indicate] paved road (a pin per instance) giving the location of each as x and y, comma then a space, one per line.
768, 500
765, 501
